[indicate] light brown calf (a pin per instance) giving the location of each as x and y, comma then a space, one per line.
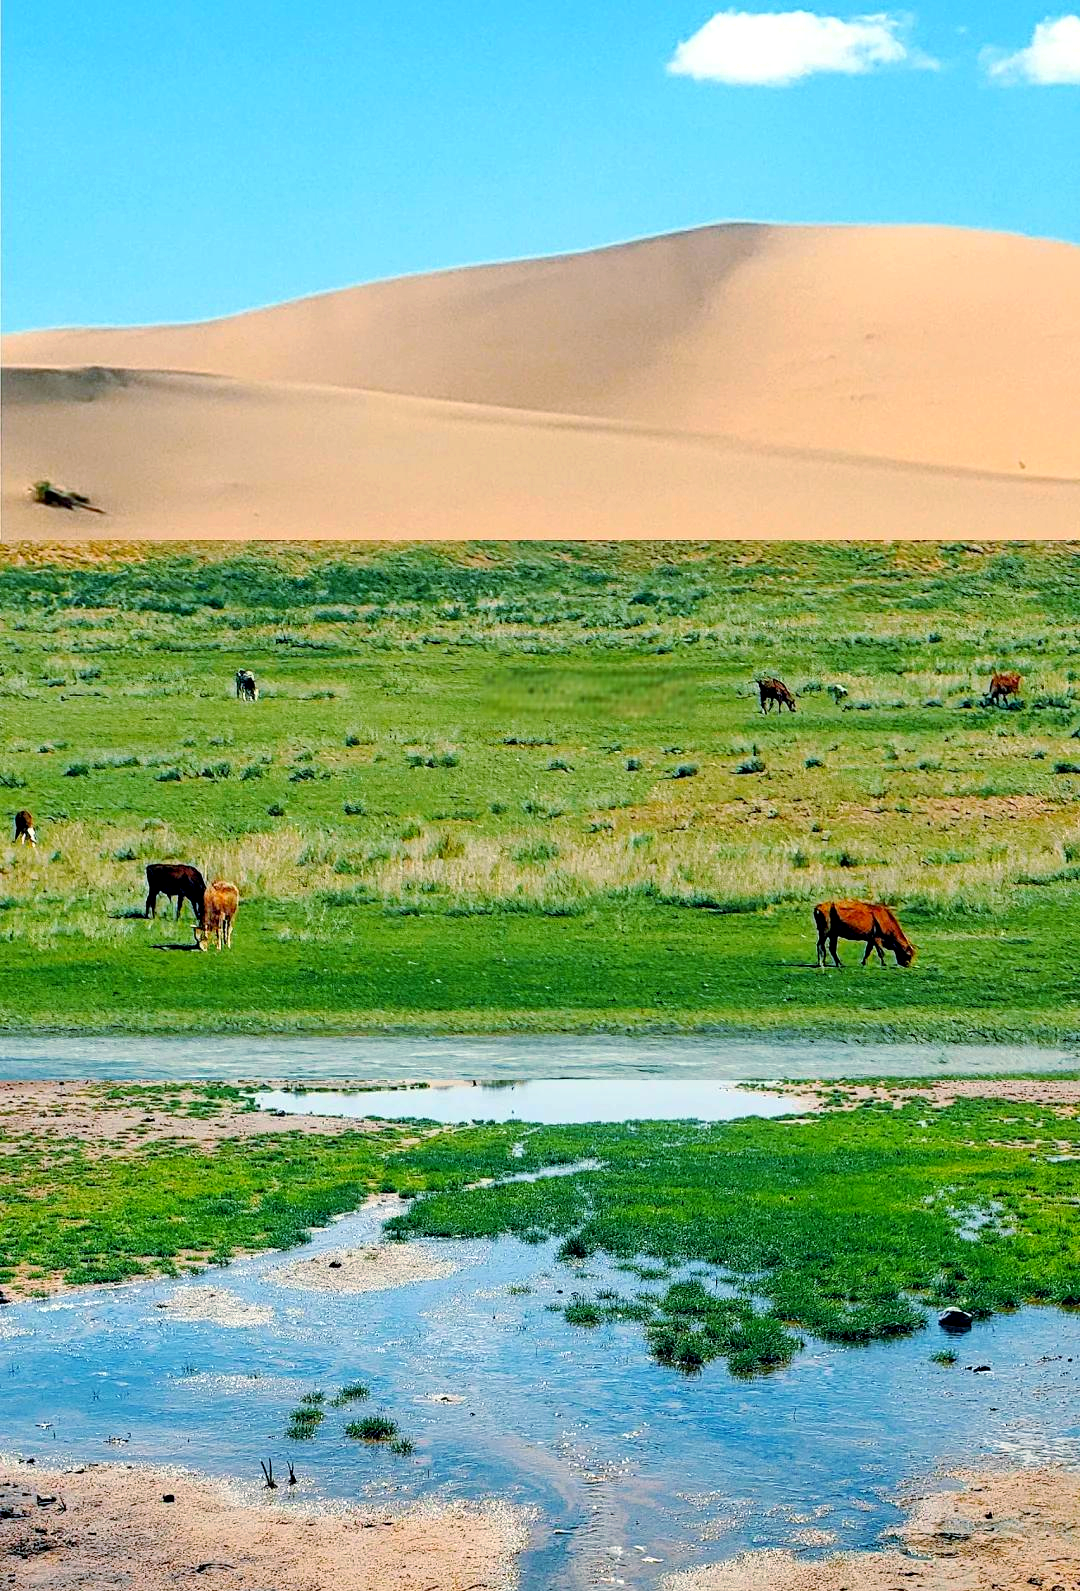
220, 905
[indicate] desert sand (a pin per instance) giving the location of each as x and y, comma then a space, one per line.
744, 381
109, 1525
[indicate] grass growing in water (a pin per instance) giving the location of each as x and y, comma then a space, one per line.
372, 1428
849, 1225
352, 1392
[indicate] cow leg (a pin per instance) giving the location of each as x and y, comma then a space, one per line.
179, 906
833, 937
880, 951
151, 904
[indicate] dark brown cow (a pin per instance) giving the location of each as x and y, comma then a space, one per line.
774, 690
220, 906
176, 881
1002, 686
875, 925
24, 828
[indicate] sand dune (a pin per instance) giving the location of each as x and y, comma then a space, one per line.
731, 381
182, 457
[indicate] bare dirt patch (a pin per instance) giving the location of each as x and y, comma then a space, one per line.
109, 1525
1062, 1093
997, 1532
82, 1110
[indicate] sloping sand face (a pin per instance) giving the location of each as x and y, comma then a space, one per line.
744, 381
199, 457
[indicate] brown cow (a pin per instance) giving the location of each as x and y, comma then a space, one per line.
774, 690
1002, 686
24, 828
220, 906
874, 924
176, 881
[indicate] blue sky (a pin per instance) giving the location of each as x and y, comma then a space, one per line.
185, 159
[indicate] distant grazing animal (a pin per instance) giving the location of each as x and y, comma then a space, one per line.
837, 692
176, 881
774, 690
219, 908
874, 924
1002, 686
24, 828
246, 688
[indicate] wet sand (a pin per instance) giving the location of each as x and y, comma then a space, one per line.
372, 1269
109, 1526
999, 1532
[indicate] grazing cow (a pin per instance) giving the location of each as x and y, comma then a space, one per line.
1002, 686
176, 881
874, 924
24, 828
219, 908
774, 690
246, 688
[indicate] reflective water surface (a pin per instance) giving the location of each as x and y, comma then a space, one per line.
548, 1100
633, 1462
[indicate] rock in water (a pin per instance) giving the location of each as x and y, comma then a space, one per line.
955, 1320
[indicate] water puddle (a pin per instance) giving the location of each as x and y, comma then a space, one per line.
551, 1101
637, 1471
392, 1059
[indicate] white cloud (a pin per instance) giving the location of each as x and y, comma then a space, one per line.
779, 47
1053, 56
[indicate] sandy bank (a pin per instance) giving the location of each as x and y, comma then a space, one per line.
215, 1304
999, 1532
372, 1269
108, 1525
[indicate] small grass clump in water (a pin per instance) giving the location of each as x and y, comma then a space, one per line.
306, 1418
944, 1356
372, 1428
351, 1392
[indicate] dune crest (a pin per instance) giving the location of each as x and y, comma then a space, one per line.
735, 380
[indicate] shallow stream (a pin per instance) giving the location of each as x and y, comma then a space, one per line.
510, 1057
634, 1469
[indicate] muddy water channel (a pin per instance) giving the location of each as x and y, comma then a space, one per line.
633, 1470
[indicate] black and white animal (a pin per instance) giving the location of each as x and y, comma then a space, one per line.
246, 688
24, 828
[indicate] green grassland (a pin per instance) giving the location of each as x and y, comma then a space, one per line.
849, 1225
528, 788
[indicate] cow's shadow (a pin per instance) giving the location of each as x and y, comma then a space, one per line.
176, 947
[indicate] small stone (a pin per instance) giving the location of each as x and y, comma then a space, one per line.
955, 1320
168, 1497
